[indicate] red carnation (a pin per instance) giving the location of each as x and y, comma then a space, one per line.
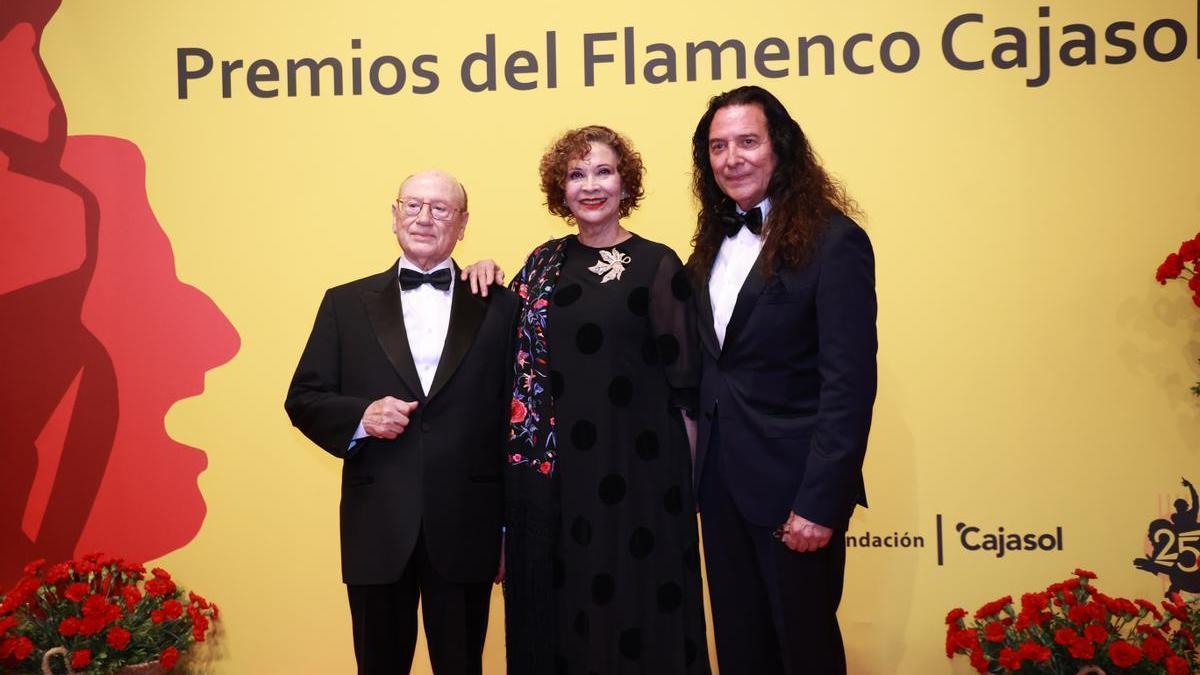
1082, 649
158, 587
1155, 648
68, 626
994, 632
1079, 615
197, 600
966, 640
951, 645
80, 658
955, 615
91, 625
76, 592
1189, 250
1175, 610
95, 605
169, 657
34, 567
157, 616
132, 596
1169, 269
1009, 659
58, 572
979, 661
994, 607
18, 648
215, 610
1084, 574
132, 569
518, 412
1065, 636
1032, 651
1036, 601
172, 609
1096, 634
1124, 654
7, 622
118, 638
1177, 665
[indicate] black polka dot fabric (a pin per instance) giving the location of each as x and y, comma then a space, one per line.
589, 338
621, 360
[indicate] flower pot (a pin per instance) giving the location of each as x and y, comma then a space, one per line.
148, 668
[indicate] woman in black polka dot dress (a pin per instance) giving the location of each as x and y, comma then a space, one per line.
602, 555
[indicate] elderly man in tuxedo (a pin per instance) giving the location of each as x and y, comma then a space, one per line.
406, 378
787, 319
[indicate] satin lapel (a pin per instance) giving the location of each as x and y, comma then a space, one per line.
466, 315
747, 298
387, 319
708, 333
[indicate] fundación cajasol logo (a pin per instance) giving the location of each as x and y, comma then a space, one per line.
1175, 545
995, 541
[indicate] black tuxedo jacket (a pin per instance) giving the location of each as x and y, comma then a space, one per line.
443, 474
793, 387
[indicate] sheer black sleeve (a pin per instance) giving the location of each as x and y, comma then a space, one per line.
673, 321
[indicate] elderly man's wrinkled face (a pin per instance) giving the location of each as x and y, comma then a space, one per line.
741, 154
429, 217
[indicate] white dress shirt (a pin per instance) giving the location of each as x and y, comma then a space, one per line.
734, 260
426, 321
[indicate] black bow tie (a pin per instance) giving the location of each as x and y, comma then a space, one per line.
733, 222
439, 279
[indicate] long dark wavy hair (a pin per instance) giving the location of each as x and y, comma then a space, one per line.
803, 196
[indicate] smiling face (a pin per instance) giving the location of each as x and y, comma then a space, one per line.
741, 154
593, 187
429, 217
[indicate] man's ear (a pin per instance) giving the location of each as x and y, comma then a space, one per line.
462, 229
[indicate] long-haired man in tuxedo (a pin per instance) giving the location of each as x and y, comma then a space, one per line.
787, 319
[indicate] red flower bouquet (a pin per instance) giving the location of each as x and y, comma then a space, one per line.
98, 615
1184, 264
1071, 627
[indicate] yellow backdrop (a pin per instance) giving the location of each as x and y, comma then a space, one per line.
1033, 377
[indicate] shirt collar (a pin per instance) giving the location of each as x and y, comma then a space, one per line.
405, 264
764, 206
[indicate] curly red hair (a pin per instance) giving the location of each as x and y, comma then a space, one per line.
576, 144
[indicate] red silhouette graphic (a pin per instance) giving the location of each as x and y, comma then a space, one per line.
98, 337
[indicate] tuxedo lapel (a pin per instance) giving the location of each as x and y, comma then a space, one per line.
387, 319
466, 315
708, 332
747, 298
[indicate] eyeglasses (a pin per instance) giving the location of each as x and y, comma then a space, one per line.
411, 208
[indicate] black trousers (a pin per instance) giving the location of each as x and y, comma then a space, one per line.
384, 617
774, 610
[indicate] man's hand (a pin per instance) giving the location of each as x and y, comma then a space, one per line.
483, 274
802, 535
387, 417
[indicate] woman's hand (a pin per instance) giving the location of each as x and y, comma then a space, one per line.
483, 274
